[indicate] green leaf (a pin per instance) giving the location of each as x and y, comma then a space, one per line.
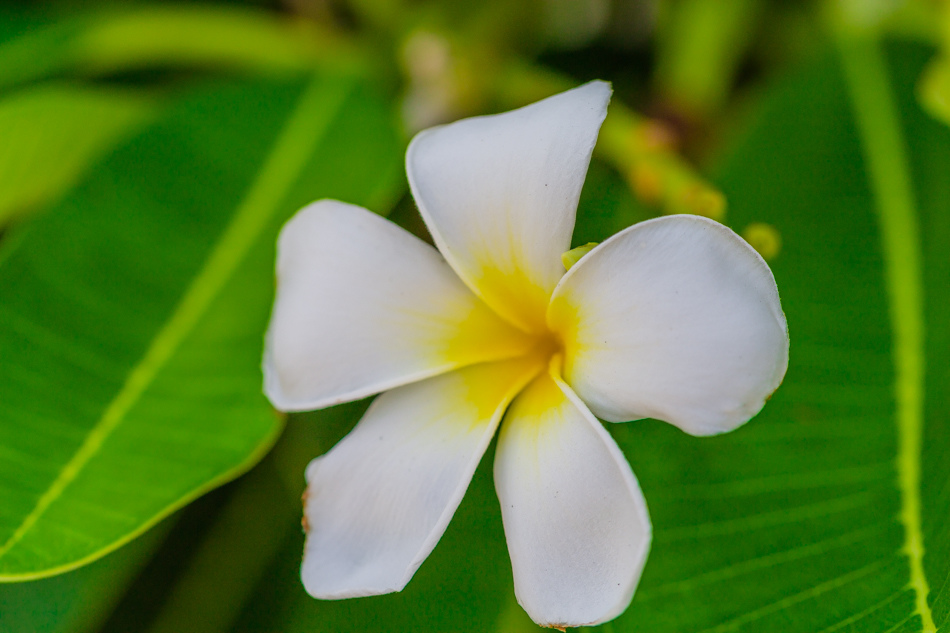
606, 206
127, 39
933, 90
53, 133
828, 511
700, 44
131, 319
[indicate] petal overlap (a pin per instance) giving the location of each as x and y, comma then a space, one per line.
677, 319
575, 520
499, 195
363, 306
378, 502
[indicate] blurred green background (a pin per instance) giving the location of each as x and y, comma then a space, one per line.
149, 152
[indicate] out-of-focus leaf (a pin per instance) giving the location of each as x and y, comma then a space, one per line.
158, 36
78, 601
202, 35
16, 20
131, 319
933, 90
53, 133
573, 23
241, 543
699, 47
606, 206
865, 15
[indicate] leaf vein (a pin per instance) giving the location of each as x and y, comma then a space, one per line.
865, 612
803, 596
776, 517
763, 562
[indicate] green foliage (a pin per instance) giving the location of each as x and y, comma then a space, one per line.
133, 313
52, 132
123, 40
791, 523
700, 45
80, 600
146, 41
934, 89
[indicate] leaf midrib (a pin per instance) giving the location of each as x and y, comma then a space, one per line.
282, 166
878, 122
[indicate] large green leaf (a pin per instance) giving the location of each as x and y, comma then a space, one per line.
131, 319
806, 519
828, 511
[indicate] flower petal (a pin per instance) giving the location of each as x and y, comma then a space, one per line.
363, 306
576, 522
499, 194
677, 319
379, 501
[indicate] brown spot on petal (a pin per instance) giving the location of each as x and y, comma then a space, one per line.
304, 523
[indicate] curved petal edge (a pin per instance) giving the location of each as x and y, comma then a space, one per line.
675, 318
379, 501
499, 194
576, 522
363, 306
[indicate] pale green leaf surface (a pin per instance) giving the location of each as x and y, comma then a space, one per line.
934, 88
700, 44
52, 133
128, 39
131, 319
199, 35
795, 522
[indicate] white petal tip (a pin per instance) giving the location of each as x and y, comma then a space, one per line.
499, 194
576, 522
322, 589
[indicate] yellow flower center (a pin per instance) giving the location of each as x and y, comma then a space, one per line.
541, 333
549, 343
547, 346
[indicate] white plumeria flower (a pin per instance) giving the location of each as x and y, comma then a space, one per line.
675, 318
